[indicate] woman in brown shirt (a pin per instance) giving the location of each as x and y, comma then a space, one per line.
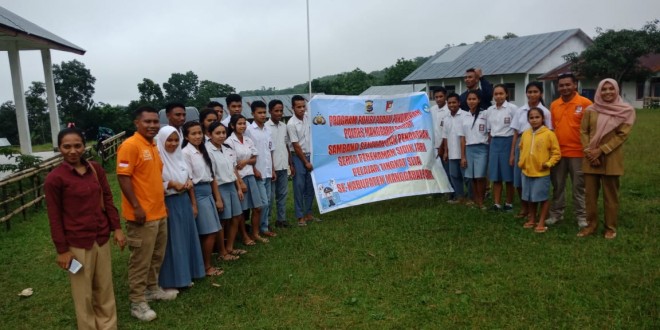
82, 216
605, 126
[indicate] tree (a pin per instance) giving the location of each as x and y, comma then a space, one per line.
8, 126
353, 83
181, 87
616, 54
208, 89
397, 72
490, 37
37, 108
510, 35
74, 86
150, 93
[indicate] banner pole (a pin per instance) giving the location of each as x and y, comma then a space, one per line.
309, 56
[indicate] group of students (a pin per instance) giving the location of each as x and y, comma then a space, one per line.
187, 190
531, 148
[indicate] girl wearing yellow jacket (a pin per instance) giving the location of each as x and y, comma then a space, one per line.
539, 151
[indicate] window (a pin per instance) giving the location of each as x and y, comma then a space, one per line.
511, 90
450, 89
640, 90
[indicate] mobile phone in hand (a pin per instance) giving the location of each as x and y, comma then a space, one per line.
75, 266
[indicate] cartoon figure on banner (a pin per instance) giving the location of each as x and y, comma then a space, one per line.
328, 194
388, 106
319, 120
368, 106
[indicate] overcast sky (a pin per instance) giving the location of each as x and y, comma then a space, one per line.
253, 43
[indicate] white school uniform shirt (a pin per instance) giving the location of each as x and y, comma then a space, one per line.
199, 170
437, 114
499, 119
264, 144
473, 130
300, 132
224, 163
280, 138
520, 122
244, 150
226, 121
451, 133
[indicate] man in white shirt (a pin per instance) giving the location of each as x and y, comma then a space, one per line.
260, 135
438, 112
452, 152
299, 129
281, 162
234, 107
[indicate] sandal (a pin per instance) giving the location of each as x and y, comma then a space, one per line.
540, 230
529, 225
212, 271
237, 252
228, 257
262, 239
249, 243
269, 234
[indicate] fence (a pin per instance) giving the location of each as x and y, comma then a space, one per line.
24, 189
107, 149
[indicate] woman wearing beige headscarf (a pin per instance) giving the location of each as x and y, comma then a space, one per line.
605, 126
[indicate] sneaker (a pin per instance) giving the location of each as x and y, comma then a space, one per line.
509, 208
582, 223
142, 311
496, 208
552, 221
159, 294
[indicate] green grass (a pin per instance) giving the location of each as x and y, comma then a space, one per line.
406, 263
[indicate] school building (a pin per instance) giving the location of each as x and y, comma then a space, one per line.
513, 62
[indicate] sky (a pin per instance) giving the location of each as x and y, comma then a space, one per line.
252, 44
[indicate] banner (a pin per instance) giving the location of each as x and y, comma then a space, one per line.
373, 148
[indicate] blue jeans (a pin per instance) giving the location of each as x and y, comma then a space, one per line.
458, 179
303, 188
265, 190
279, 190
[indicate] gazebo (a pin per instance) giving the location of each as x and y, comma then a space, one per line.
17, 34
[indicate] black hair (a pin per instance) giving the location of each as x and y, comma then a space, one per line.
567, 75
477, 93
257, 104
452, 94
214, 104
273, 103
205, 113
202, 148
538, 85
296, 98
506, 91
145, 108
537, 109
471, 70
170, 106
67, 131
233, 98
217, 124
439, 89
232, 122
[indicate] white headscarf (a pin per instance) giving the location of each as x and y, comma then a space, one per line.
174, 167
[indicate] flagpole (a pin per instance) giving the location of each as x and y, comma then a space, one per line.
309, 56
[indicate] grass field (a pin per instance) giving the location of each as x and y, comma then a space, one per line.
407, 263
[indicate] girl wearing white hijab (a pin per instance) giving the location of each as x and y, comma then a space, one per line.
183, 255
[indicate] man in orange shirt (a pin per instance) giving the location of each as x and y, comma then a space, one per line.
139, 169
567, 113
